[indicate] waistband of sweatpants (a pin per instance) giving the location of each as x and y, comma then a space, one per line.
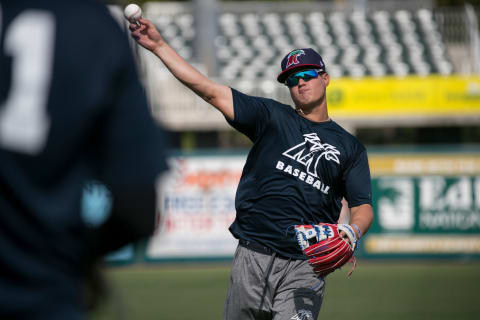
257, 247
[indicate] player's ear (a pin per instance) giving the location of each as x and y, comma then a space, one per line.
326, 78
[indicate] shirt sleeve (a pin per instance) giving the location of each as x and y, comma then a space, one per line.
134, 145
357, 181
250, 114
131, 154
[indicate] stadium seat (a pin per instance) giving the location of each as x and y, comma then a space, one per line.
353, 44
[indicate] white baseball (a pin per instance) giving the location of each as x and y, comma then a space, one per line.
132, 12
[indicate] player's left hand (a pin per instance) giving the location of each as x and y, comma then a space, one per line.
328, 246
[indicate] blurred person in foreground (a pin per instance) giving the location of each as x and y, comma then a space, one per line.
72, 109
300, 167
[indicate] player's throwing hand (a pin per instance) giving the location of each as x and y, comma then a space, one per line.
146, 34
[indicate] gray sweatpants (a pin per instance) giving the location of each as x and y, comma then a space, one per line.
270, 287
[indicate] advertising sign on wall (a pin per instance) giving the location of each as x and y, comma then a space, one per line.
409, 96
197, 205
425, 204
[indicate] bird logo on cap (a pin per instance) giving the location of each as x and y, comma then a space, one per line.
293, 57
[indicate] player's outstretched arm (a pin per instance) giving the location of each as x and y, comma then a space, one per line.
219, 96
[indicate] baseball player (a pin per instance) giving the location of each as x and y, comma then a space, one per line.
72, 109
300, 167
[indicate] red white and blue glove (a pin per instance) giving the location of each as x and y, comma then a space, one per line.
326, 248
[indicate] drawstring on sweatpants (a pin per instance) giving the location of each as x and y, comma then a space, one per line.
265, 279
267, 274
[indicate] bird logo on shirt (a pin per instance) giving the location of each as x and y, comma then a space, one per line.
311, 151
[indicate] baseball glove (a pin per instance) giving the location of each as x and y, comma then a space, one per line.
326, 249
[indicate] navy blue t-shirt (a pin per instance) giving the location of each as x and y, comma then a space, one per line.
297, 172
72, 109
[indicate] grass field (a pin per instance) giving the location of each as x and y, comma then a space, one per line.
380, 290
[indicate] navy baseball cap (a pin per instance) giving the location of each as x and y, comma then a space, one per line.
299, 59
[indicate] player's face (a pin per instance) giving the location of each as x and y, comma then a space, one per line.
309, 92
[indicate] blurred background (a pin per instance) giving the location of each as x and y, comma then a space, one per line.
405, 80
